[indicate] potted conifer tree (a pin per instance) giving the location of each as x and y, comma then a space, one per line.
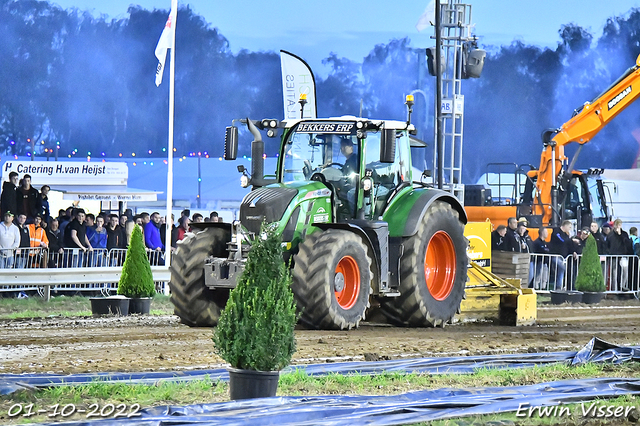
255, 332
136, 280
590, 280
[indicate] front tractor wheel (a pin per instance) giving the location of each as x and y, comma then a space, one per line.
433, 271
193, 301
332, 279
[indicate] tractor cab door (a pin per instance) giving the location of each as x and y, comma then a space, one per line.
330, 158
386, 176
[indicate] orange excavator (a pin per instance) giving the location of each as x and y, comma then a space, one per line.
555, 191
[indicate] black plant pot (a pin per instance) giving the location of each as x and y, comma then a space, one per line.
110, 305
591, 298
245, 384
560, 297
140, 305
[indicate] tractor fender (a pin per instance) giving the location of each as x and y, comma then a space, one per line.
361, 232
226, 227
422, 204
204, 225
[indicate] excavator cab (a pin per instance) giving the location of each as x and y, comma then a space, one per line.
577, 202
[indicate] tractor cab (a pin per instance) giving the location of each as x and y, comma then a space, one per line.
346, 157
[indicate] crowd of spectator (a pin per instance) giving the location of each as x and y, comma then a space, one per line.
611, 240
31, 237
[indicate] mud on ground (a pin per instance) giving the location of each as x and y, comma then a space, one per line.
154, 343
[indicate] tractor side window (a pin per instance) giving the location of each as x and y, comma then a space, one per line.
390, 175
386, 176
403, 158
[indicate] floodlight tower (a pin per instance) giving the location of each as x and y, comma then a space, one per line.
454, 58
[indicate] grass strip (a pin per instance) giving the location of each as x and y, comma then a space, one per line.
292, 384
65, 306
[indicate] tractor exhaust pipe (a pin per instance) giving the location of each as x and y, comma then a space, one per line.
257, 157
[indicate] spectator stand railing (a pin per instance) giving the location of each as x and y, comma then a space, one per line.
156, 257
621, 273
70, 270
546, 272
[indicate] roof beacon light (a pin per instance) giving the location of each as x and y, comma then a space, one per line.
409, 103
302, 102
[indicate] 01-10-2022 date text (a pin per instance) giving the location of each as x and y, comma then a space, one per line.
67, 410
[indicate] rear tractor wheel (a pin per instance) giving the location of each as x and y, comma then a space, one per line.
332, 279
433, 271
193, 301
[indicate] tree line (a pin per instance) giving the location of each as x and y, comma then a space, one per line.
86, 84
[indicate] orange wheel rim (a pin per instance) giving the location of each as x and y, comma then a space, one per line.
440, 265
347, 282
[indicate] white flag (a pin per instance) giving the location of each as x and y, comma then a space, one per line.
165, 42
297, 79
428, 17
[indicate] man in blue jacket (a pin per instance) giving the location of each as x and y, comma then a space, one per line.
152, 238
98, 238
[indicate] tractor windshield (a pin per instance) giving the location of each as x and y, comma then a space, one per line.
335, 156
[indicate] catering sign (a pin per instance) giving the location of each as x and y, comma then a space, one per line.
68, 172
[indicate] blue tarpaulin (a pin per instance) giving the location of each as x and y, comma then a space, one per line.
371, 410
412, 407
595, 351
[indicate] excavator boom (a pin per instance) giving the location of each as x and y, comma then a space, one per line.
581, 128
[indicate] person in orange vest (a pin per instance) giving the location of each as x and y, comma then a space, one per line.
39, 239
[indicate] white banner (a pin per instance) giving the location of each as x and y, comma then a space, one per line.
297, 79
68, 172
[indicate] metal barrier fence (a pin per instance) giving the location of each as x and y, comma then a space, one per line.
546, 271
29, 257
70, 270
100, 270
21, 258
549, 272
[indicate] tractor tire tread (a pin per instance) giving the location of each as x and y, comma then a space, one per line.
310, 287
412, 308
194, 303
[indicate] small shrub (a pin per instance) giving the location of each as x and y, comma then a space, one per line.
590, 276
256, 328
136, 279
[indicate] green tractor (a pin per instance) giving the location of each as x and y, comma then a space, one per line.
355, 226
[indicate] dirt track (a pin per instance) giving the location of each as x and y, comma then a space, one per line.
62, 345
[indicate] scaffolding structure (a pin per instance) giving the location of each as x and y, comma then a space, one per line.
456, 41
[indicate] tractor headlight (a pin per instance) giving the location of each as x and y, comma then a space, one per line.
244, 181
367, 184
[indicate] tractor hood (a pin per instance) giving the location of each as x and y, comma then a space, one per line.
276, 202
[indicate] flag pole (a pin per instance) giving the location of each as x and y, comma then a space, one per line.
172, 71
